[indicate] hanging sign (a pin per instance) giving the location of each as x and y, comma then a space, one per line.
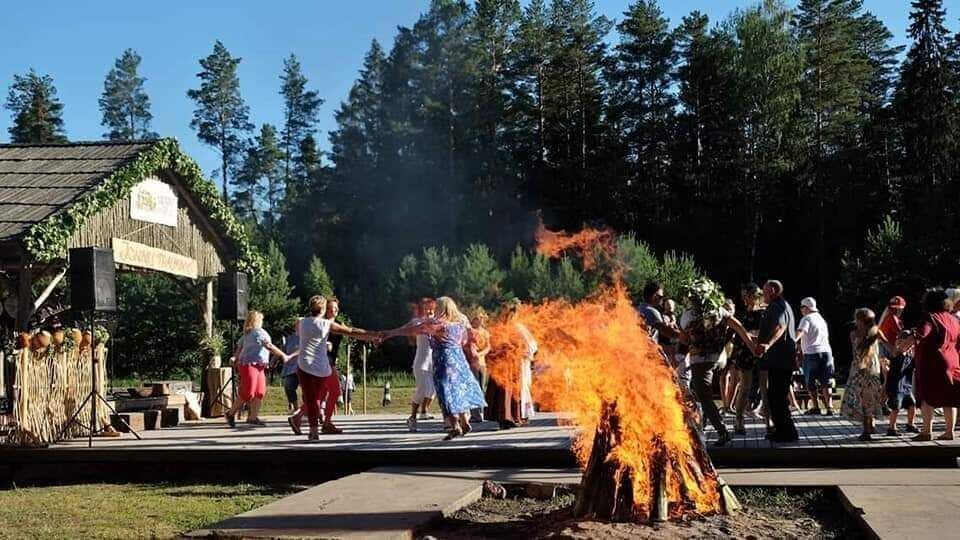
155, 202
144, 256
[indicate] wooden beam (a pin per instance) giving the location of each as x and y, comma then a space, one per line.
207, 307
50, 287
24, 294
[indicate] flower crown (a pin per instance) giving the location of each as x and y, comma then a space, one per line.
704, 295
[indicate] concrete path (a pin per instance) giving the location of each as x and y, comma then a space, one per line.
383, 503
890, 503
393, 502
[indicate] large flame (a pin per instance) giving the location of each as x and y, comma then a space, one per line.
596, 354
585, 243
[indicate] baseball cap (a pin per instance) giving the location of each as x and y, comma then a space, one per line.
809, 303
898, 302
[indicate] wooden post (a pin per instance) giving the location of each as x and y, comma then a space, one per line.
207, 306
347, 408
24, 294
363, 356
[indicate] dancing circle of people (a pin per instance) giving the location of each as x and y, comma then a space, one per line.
757, 356
449, 366
760, 354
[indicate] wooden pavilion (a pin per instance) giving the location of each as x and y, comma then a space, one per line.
145, 200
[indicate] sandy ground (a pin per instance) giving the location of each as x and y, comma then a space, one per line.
768, 513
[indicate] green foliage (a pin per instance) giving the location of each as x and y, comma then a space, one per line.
260, 179
37, 112
478, 277
124, 103
888, 265
317, 281
159, 332
301, 109
272, 294
640, 264
221, 117
676, 270
47, 240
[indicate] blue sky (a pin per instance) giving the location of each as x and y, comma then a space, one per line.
77, 42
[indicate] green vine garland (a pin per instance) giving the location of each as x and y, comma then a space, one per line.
48, 239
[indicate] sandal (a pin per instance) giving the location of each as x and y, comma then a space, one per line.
922, 437
453, 434
294, 425
330, 429
946, 437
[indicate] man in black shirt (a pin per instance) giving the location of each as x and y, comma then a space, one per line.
777, 342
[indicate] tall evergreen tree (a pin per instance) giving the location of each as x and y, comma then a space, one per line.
926, 108
37, 112
124, 103
767, 71
642, 102
492, 36
306, 169
222, 117
301, 109
836, 81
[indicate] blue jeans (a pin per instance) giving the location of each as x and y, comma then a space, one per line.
818, 370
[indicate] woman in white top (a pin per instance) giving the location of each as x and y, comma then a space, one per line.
318, 380
422, 366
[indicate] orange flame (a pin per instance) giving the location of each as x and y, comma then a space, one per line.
596, 353
586, 243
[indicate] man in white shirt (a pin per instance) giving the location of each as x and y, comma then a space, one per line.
814, 341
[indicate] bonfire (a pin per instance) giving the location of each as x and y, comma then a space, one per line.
641, 454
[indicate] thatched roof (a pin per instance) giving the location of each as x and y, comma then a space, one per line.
37, 181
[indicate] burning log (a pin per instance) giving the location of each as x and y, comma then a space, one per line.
608, 490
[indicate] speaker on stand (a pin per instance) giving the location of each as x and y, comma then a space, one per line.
93, 289
232, 295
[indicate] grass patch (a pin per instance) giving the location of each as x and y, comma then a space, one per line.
126, 510
275, 401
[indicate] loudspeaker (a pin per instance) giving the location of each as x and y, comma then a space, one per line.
93, 281
232, 296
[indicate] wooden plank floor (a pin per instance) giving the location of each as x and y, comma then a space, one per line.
830, 432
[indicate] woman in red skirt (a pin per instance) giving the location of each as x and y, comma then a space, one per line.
938, 364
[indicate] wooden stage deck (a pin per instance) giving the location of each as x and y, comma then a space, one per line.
378, 440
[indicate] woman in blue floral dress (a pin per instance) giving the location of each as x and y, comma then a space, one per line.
457, 389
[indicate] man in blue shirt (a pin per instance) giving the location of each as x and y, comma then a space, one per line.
776, 347
650, 309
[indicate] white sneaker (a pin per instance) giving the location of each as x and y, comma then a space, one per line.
425, 416
412, 424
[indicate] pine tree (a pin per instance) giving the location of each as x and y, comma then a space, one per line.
492, 36
124, 103
37, 112
272, 294
317, 281
535, 41
642, 102
836, 81
479, 277
926, 108
222, 117
258, 183
300, 112
306, 170
767, 72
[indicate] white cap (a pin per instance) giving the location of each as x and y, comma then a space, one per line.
809, 303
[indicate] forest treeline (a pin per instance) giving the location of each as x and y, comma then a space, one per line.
792, 142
